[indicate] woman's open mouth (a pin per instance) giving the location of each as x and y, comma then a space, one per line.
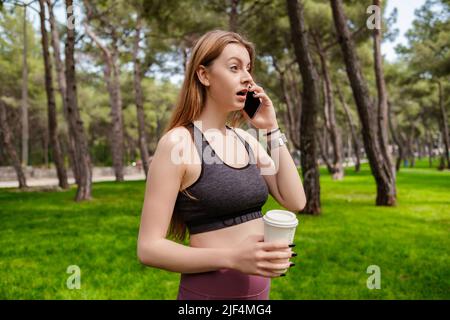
241, 95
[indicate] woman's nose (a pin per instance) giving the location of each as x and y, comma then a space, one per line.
247, 78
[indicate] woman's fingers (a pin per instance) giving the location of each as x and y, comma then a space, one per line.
274, 267
276, 245
268, 274
279, 261
255, 88
276, 255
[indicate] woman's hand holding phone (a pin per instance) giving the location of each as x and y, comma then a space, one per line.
265, 117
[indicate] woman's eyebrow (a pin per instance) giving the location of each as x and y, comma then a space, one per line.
237, 59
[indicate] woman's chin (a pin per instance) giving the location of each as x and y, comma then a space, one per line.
240, 105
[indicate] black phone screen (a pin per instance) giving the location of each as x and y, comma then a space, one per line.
251, 104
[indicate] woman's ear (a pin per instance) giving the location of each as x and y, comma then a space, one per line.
202, 74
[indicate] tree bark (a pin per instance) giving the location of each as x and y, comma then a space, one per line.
323, 150
397, 138
45, 148
337, 169
410, 146
310, 106
295, 109
9, 147
429, 143
356, 145
81, 147
234, 16
24, 102
292, 99
381, 168
112, 79
444, 126
59, 66
382, 96
52, 121
140, 100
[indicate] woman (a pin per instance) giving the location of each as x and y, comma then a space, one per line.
195, 183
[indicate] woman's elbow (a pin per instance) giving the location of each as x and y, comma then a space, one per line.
143, 254
299, 206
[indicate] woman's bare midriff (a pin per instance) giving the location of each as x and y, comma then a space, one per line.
229, 236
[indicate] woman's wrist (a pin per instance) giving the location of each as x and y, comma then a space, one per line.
271, 131
229, 258
274, 135
272, 126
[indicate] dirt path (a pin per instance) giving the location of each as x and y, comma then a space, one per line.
54, 182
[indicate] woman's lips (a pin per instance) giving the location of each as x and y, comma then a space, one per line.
241, 98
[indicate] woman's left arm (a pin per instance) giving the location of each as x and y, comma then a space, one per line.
285, 183
278, 169
279, 172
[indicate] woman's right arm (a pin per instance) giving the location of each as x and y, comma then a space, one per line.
163, 183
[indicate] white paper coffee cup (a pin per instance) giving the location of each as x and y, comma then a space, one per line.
279, 225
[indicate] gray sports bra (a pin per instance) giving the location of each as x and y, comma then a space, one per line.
225, 196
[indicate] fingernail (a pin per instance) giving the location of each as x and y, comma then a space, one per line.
282, 275
292, 264
292, 245
294, 254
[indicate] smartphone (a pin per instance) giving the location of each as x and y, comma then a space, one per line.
252, 104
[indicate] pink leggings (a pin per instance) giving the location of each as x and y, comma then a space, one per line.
223, 284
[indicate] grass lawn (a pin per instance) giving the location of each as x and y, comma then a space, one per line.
43, 233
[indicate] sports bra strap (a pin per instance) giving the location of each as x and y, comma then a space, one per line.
199, 138
246, 144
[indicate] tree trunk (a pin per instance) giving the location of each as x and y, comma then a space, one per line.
310, 106
397, 138
444, 126
349, 147
116, 115
81, 147
234, 16
382, 95
52, 122
356, 145
9, 147
45, 149
322, 150
410, 145
139, 100
419, 147
429, 143
381, 168
24, 102
62, 88
112, 79
330, 115
406, 151
292, 99
295, 109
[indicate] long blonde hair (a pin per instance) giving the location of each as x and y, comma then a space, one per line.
192, 95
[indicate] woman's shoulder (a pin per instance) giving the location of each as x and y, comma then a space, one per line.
176, 143
175, 135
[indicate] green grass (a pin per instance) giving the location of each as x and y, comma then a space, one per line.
42, 233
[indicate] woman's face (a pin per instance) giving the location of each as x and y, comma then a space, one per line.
227, 75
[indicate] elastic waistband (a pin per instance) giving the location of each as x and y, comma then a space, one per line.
224, 221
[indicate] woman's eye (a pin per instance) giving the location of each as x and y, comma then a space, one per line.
236, 67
